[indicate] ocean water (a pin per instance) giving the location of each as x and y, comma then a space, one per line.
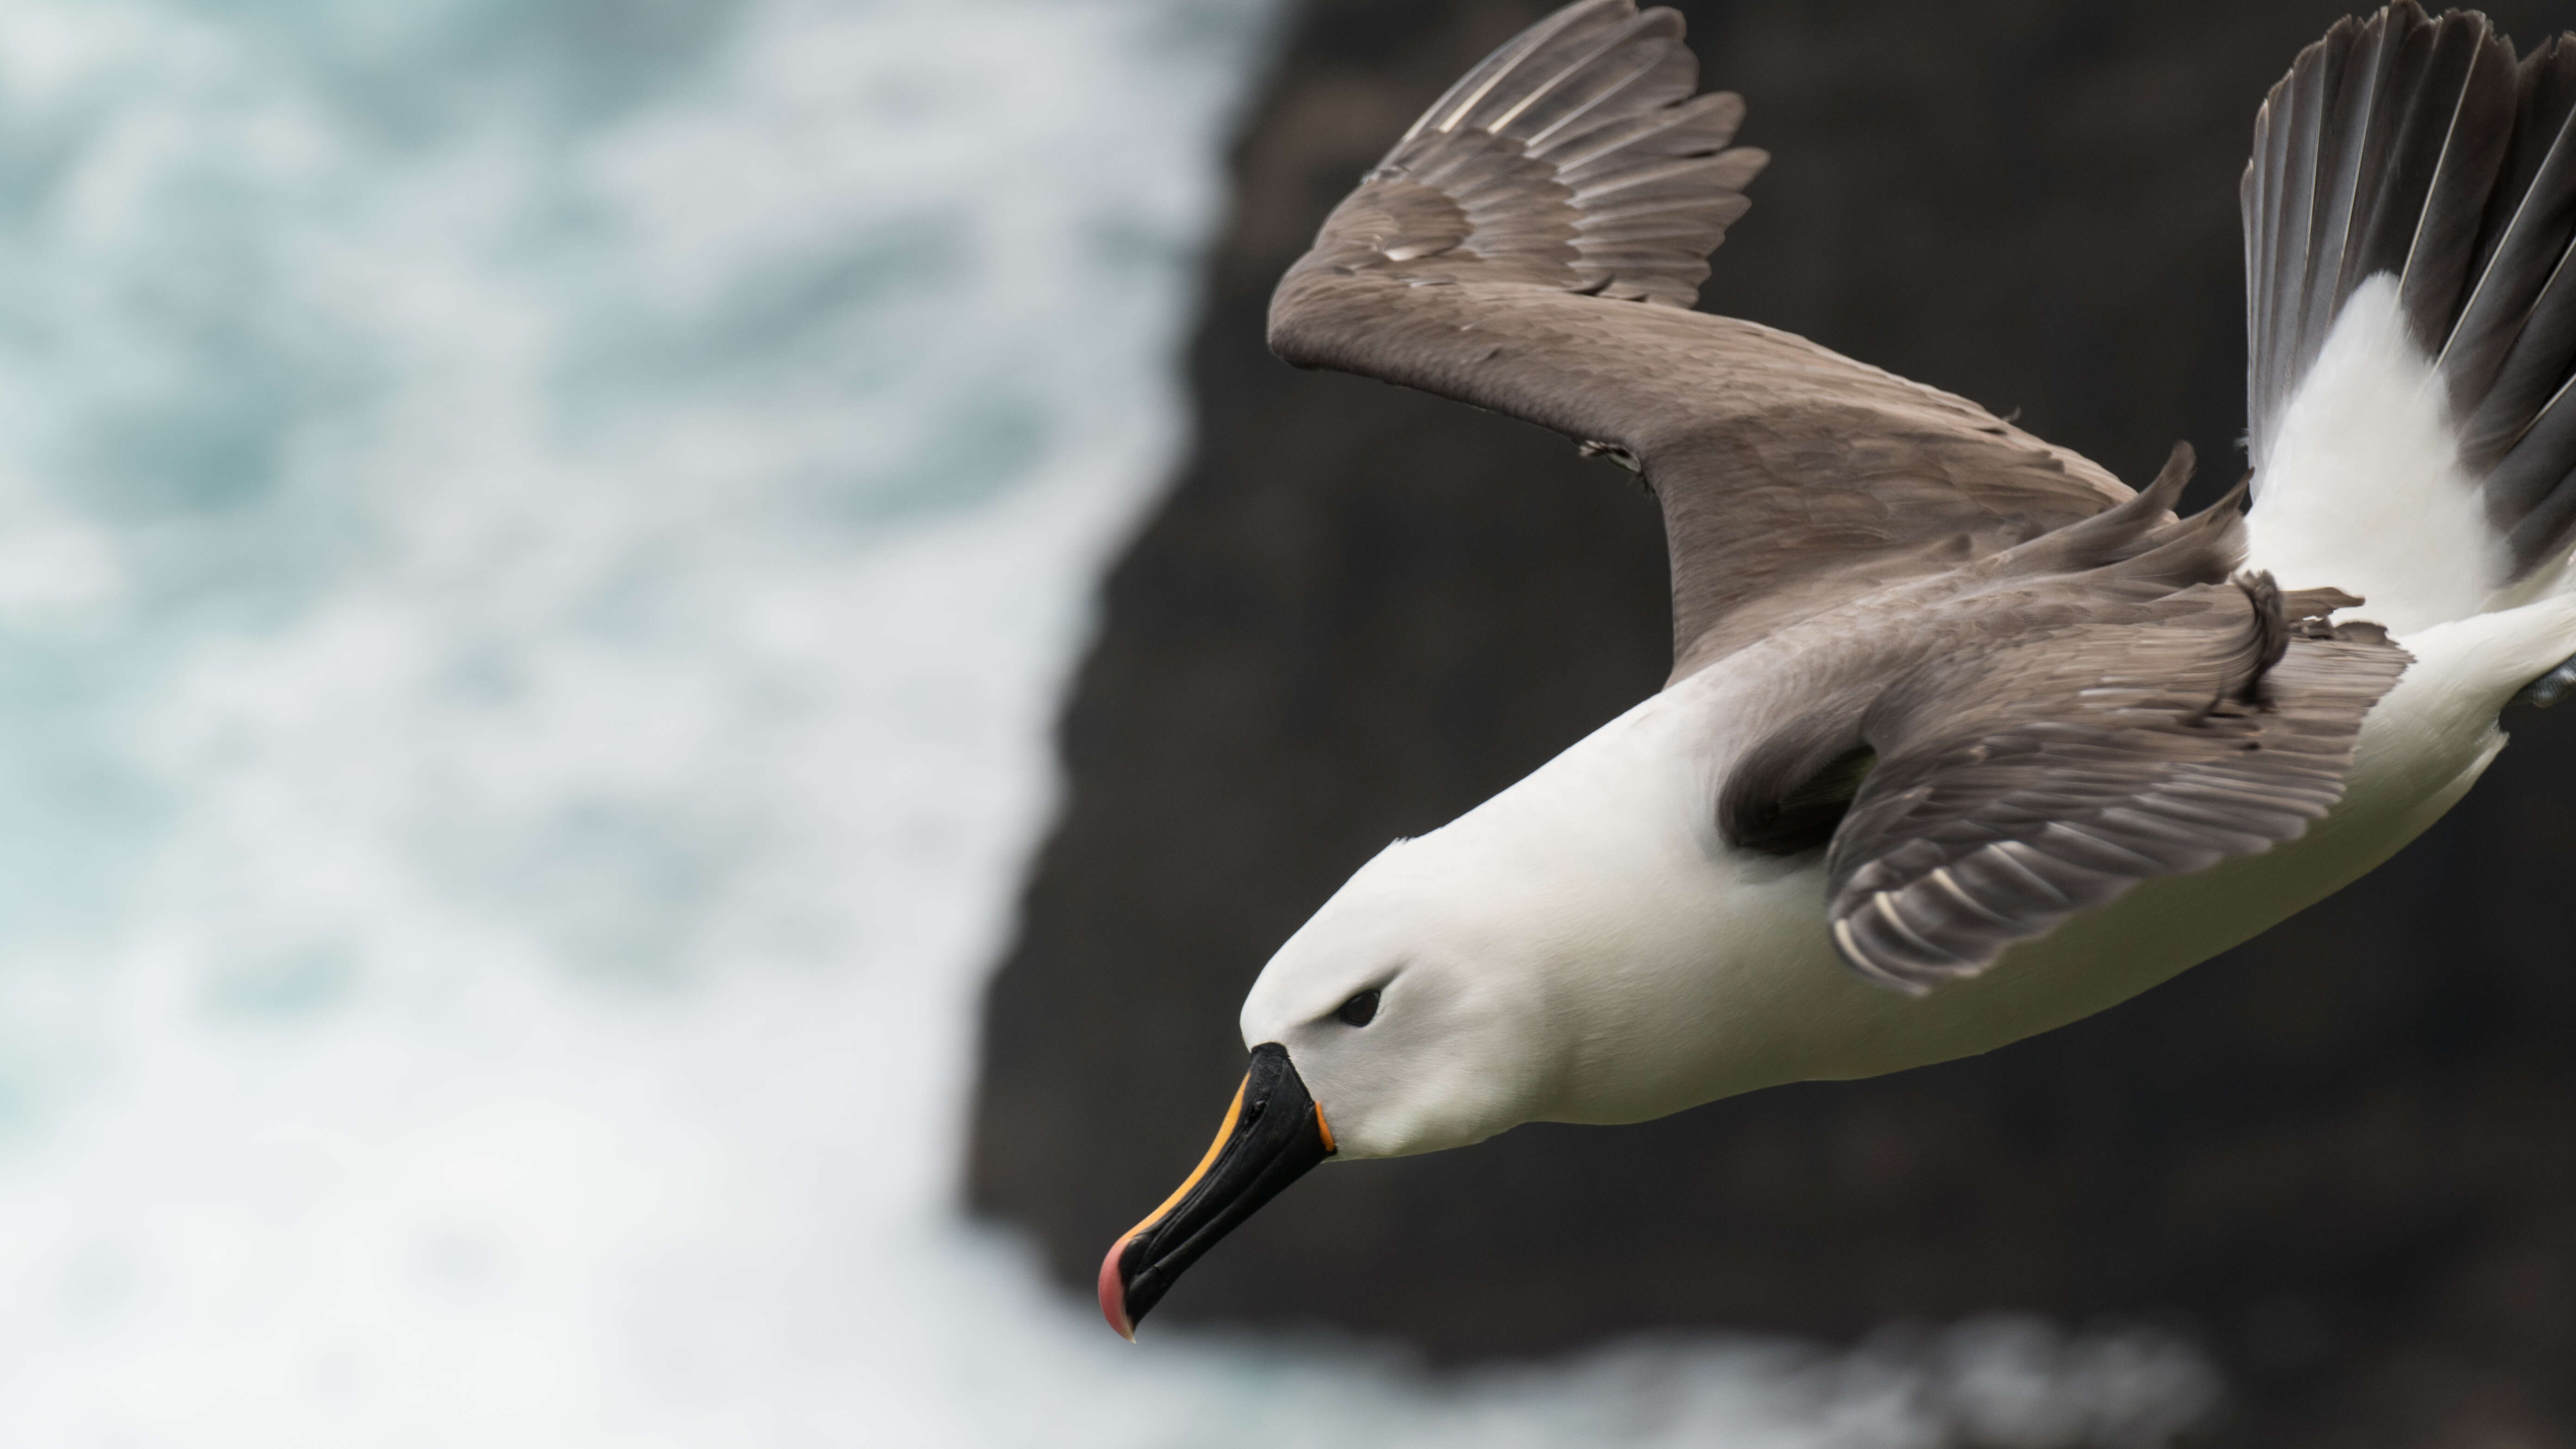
539, 540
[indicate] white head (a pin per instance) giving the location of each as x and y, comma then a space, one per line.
1409, 1009
1397, 1020
1542, 958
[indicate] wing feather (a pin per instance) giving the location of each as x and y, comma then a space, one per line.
1531, 246
2016, 790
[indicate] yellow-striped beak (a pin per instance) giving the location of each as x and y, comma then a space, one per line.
1273, 1134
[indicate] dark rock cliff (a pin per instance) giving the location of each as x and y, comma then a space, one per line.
2344, 1157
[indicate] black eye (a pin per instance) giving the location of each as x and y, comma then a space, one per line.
1360, 1010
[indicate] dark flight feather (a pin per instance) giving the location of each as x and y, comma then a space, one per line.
2072, 733
2419, 148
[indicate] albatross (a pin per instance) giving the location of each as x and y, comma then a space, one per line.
1964, 738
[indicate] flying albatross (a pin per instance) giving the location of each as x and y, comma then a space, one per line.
1964, 739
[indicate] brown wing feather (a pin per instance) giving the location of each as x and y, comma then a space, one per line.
2077, 732
1530, 247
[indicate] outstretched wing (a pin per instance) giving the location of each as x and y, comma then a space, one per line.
2051, 740
1531, 246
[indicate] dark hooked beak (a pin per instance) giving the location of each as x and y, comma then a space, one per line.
1273, 1135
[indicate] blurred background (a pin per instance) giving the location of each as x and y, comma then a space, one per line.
575, 573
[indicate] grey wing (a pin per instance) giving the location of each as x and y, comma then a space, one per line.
1531, 246
2107, 740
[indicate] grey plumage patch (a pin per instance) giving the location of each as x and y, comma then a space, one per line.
1571, 176
1990, 750
2049, 745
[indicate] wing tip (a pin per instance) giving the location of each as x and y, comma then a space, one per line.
1550, 147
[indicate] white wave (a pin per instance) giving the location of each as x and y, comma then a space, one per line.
538, 545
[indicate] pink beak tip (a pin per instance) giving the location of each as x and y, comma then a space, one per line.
1113, 1294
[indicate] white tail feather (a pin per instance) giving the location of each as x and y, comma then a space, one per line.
2360, 487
